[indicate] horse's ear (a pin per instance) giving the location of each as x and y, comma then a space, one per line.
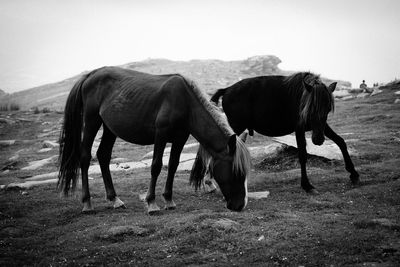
232, 144
332, 87
243, 136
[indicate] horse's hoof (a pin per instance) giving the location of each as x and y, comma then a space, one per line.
355, 180
87, 208
170, 205
152, 208
118, 204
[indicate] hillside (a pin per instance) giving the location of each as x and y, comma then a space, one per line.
208, 74
342, 225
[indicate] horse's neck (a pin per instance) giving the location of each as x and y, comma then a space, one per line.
210, 133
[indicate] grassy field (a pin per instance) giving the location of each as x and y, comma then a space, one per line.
341, 226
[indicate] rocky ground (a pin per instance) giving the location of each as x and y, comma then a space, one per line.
341, 226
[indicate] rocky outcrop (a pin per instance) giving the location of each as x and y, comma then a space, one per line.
261, 65
209, 75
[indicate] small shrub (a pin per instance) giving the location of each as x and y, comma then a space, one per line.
46, 110
37, 110
9, 107
14, 106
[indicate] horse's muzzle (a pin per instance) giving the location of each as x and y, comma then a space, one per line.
235, 206
318, 141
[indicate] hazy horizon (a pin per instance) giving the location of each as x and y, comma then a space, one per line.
47, 41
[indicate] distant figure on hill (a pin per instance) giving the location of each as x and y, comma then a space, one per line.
363, 85
365, 88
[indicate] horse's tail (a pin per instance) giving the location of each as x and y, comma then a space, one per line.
217, 95
70, 139
201, 165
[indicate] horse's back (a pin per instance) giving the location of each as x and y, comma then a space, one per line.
129, 102
260, 103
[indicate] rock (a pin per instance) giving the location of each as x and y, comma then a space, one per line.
30, 184
222, 224
348, 97
14, 158
261, 238
44, 150
118, 160
185, 165
7, 142
117, 231
328, 150
341, 93
376, 91
262, 151
258, 195
49, 144
34, 165
397, 93
41, 177
397, 100
6, 121
24, 193
363, 95
260, 65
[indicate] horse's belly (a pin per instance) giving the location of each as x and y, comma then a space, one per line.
130, 127
136, 134
274, 127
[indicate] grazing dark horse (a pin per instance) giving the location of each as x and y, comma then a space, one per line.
147, 109
280, 105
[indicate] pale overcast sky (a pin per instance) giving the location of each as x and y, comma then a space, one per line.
46, 41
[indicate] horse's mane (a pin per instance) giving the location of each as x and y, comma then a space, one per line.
214, 112
240, 166
317, 101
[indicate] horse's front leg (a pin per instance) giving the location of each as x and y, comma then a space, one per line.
301, 145
354, 176
173, 163
156, 165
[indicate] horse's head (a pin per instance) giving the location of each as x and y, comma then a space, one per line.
229, 168
230, 172
316, 103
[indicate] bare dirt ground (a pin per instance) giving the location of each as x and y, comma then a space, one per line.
341, 226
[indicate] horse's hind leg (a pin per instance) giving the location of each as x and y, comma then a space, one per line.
156, 165
173, 163
354, 176
91, 126
104, 156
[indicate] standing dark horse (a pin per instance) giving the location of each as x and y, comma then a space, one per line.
280, 105
147, 109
